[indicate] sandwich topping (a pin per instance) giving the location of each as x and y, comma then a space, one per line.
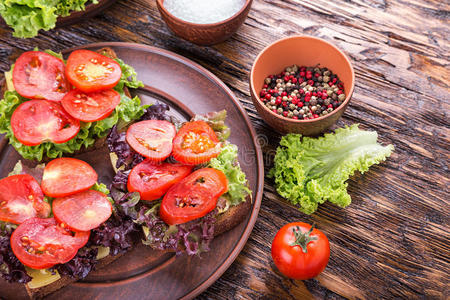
40, 92
177, 202
63, 234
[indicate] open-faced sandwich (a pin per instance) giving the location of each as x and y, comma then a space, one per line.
56, 224
53, 108
181, 183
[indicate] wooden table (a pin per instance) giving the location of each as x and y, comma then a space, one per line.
393, 240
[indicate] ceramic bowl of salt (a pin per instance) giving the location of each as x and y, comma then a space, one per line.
204, 22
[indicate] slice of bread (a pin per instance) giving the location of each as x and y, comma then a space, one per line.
39, 293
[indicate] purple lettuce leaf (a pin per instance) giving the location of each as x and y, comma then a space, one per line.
79, 266
11, 269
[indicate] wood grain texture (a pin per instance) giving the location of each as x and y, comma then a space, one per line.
393, 240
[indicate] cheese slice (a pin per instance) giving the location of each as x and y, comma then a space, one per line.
41, 278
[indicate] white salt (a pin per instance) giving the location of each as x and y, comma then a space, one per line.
203, 11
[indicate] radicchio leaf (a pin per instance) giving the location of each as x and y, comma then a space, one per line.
11, 269
79, 266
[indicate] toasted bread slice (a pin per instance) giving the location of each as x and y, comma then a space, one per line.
99, 143
39, 293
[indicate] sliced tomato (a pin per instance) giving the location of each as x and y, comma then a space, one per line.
82, 211
152, 180
38, 75
193, 197
195, 143
152, 138
66, 176
38, 121
91, 72
90, 107
21, 198
42, 243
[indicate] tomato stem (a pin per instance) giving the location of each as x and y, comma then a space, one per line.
303, 239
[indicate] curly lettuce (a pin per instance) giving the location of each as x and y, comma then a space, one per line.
128, 110
228, 163
27, 17
310, 171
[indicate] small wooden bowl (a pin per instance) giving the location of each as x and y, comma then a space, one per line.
302, 51
205, 34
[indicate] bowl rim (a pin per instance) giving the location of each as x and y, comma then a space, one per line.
342, 106
208, 25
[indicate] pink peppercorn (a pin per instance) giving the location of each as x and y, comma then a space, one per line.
294, 80
302, 74
268, 96
283, 94
285, 113
330, 105
315, 116
300, 104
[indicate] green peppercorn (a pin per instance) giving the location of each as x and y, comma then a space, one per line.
272, 101
295, 112
341, 97
326, 78
290, 114
279, 110
329, 109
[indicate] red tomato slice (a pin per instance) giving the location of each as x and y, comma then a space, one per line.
21, 198
195, 143
91, 72
42, 243
152, 180
38, 121
152, 139
90, 107
82, 211
193, 197
38, 75
66, 176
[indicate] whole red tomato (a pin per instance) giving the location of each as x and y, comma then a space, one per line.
299, 251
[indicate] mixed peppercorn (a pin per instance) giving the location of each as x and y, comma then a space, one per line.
303, 93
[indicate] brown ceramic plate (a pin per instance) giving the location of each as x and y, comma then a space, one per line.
90, 11
188, 88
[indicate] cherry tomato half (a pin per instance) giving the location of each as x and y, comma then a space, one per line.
21, 198
38, 121
152, 138
38, 75
153, 180
90, 107
195, 143
42, 243
82, 211
90, 71
299, 252
66, 176
193, 197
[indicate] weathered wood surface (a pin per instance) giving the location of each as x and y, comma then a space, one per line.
393, 240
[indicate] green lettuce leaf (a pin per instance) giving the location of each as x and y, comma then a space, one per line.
228, 163
128, 110
310, 171
27, 17
217, 122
